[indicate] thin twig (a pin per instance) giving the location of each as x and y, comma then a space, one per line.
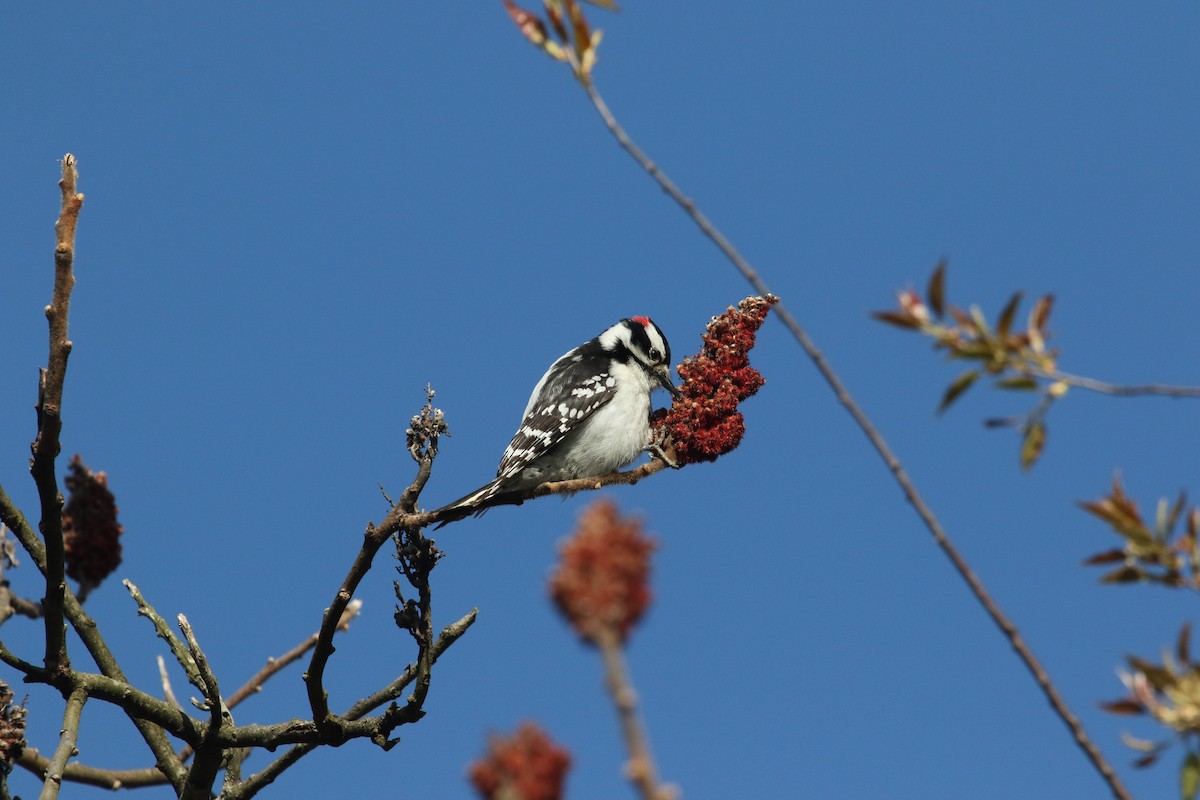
1117, 390
12, 603
66, 745
1002, 622
640, 769
49, 415
33, 761
164, 632
165, 679
314, 676
209, 752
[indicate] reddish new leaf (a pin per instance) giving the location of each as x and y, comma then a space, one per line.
530, 25
583, 35
897, 318
1125, 706
1040, 314
1004, 323
1107, 557
937, 290
554, 14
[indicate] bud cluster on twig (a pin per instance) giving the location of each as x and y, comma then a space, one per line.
1150, 553
527, 765
564, 35
1170, 694
1017, 359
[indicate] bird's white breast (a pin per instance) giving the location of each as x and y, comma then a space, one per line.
617, 432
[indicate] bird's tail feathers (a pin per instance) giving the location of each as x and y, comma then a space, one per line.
467, 505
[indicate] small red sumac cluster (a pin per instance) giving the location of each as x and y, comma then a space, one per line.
527, 765
602, 583
91, 533
706, 423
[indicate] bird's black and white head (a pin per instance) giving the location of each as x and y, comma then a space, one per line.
637, 340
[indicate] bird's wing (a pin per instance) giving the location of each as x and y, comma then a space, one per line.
547, 422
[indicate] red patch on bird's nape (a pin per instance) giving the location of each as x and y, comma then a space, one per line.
643, 321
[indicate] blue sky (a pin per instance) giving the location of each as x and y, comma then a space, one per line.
299, 215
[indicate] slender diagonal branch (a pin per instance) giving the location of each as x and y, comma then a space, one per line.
993, 610
164, 632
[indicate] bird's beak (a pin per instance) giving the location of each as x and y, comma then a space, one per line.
663, 373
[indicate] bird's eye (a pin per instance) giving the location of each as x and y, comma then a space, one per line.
655, 355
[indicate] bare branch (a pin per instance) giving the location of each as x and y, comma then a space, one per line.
33, 761
66, 745
641, 769
12, 603
168, 692
1116, 390
448, 636
209, 753
164, 632
323, 649
49, 416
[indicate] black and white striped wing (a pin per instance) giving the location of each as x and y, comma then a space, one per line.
569, 394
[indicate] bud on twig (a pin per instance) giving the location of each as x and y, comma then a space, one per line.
525, 766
